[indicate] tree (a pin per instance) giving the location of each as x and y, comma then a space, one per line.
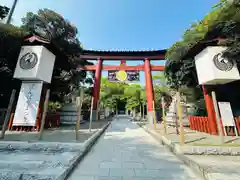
10, 44
52, 26
4, 12
111, 93
65, 78
132, 94
48, 23
222, 21
161, 89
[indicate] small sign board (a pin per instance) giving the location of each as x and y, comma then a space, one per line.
27, 105
131, 76
226, 113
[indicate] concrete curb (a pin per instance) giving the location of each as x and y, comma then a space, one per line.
177, 150
87, 146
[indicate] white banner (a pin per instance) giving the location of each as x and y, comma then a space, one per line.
226, 113
27, 105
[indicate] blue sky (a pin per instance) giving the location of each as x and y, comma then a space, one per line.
123, 24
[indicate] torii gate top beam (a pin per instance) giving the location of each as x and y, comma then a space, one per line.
123, 55
125, 68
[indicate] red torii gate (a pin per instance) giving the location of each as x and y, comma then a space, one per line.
122, 56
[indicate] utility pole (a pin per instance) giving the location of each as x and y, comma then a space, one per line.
11, 12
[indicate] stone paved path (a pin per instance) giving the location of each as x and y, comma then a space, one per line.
126, 152
30, 161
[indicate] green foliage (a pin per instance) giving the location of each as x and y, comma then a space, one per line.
51, 25
54, 106
132, 95
223, 21
3, 12
63, 35
10, 43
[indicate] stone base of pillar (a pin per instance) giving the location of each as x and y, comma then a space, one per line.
150, 118
94, 115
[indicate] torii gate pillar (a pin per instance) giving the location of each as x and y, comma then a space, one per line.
149, 92
96, 89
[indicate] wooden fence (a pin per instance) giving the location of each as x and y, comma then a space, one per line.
201, 124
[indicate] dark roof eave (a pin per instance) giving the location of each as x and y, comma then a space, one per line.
124, 53
50, 45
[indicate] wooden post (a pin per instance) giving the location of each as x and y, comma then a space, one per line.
179, 110
143, 110
98, 110
91, 116
79, 106
163, 115
45, 109
8, 114
221, 134
154, 117
176, 117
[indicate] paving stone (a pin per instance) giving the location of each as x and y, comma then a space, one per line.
147, 173
32, 162
132, 165
80, 177
9, 175
92, 172
140, 178
109, 165
125, 151
38, 177
122, 172
107, 178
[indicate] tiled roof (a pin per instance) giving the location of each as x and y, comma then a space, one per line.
124, 52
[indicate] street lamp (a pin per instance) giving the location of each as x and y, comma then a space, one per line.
11, 12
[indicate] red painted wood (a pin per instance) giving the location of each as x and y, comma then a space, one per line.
211, 112
122, 67
194, 123
52, 120
149, 85
237, 122
123, 62
10, 122
137, 58
200, 124
197, 124
190, 122
206, 125
97, 83
221, 124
